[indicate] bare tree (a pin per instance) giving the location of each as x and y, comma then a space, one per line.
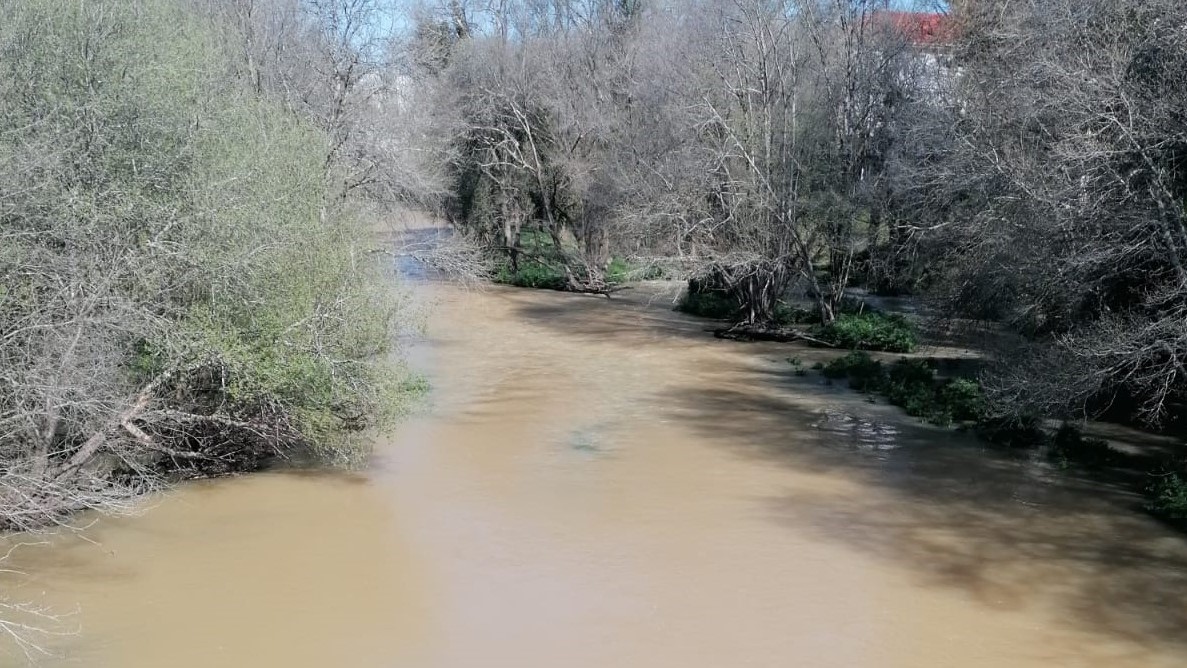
793, 114
1058, 200
537, 100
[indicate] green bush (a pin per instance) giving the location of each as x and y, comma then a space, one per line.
864, 373
618, 271
964, 399
531, 275
912, 385
870, 331
1168, 496
1071, 445
621, 271
787, 315
1012, 432
709, 305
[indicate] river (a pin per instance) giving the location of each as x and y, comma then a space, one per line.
600, 483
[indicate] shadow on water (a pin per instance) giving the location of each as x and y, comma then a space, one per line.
998, 525
1006, 527
643, 314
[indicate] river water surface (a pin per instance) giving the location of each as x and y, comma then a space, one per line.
600, 483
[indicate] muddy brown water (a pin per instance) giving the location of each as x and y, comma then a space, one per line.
600, 483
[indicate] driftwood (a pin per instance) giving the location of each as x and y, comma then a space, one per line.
606, 289
760, 333
124, 421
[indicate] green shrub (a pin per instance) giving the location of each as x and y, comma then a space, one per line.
870, 331
912, 385
786, 315
531, 275
865, 374
709, 305
1012, 432
618, 271
1071, 445
1168, 496
964, 399
621, 271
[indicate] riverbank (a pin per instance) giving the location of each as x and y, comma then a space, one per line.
889, 350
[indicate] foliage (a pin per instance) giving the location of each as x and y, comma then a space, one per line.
1168, 496
176, 281
1012, 431
531, 274
620, 271
912, 385
1070, 444
715, 305
965, 398
870, 331
865, 374
785, 314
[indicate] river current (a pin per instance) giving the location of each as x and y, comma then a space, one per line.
601, 483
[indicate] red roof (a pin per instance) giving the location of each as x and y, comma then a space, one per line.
921, 28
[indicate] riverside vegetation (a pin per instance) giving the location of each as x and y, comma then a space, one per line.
187, 286
1016, 165
189, 191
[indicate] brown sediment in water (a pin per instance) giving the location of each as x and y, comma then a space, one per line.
601, 483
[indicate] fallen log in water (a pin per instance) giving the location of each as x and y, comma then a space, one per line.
761, 333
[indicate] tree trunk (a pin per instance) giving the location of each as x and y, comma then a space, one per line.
759, 292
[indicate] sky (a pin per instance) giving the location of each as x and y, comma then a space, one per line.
399, 21
919, 5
